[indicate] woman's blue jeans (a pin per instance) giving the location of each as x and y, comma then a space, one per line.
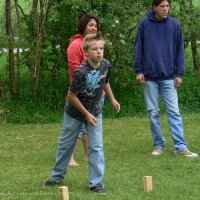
67, 140
168, 92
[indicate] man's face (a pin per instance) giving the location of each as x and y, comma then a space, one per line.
162, 10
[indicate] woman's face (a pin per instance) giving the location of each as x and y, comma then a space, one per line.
91, 27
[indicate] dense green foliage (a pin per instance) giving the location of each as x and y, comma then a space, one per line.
119, 24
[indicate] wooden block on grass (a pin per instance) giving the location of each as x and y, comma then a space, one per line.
148, 184
64, 194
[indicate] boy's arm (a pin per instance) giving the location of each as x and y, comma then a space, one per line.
108, 92
79, 106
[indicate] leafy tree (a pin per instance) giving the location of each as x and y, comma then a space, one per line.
189, 15
44, 30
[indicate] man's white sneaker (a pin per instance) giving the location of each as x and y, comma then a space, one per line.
186, 153
157, 152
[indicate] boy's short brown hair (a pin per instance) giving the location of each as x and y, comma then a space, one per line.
91, 37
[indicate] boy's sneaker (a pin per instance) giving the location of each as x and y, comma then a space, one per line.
50, 183
186, 153
157, 152
98, 189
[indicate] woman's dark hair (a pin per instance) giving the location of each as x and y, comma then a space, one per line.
83, 21
157, 2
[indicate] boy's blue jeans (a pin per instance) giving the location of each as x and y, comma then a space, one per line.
167, 90
67, 140
83, 129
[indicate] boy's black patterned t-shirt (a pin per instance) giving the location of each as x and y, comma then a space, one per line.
88, 83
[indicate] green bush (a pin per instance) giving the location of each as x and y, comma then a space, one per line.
119, 24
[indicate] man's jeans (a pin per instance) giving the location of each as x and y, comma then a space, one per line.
167, 90
67, 140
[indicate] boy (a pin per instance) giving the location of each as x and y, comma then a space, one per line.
89, 80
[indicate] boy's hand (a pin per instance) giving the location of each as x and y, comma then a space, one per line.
116, 105
91, 119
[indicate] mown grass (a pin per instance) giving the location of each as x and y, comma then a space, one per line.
28, 154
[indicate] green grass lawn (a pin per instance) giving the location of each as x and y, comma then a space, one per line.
28, 154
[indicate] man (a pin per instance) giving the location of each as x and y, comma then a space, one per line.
160, 66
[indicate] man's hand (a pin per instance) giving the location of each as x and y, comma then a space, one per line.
178, 82
140, 78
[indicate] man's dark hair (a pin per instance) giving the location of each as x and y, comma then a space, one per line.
157, 2
83, 21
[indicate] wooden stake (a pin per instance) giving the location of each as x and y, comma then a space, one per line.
148, 185
64, 194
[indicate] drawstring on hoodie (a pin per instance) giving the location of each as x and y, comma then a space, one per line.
158, 32
152, 17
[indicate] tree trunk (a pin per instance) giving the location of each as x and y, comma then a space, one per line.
11, 52
195, 56
38, 22
18, 52
34, 50
40, 36
33, 18
193, 40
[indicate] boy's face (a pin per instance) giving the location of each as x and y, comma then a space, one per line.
95, 51
162, 10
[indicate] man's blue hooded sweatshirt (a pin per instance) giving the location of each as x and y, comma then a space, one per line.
159, 48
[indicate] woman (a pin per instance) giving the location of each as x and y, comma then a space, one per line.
88, 23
